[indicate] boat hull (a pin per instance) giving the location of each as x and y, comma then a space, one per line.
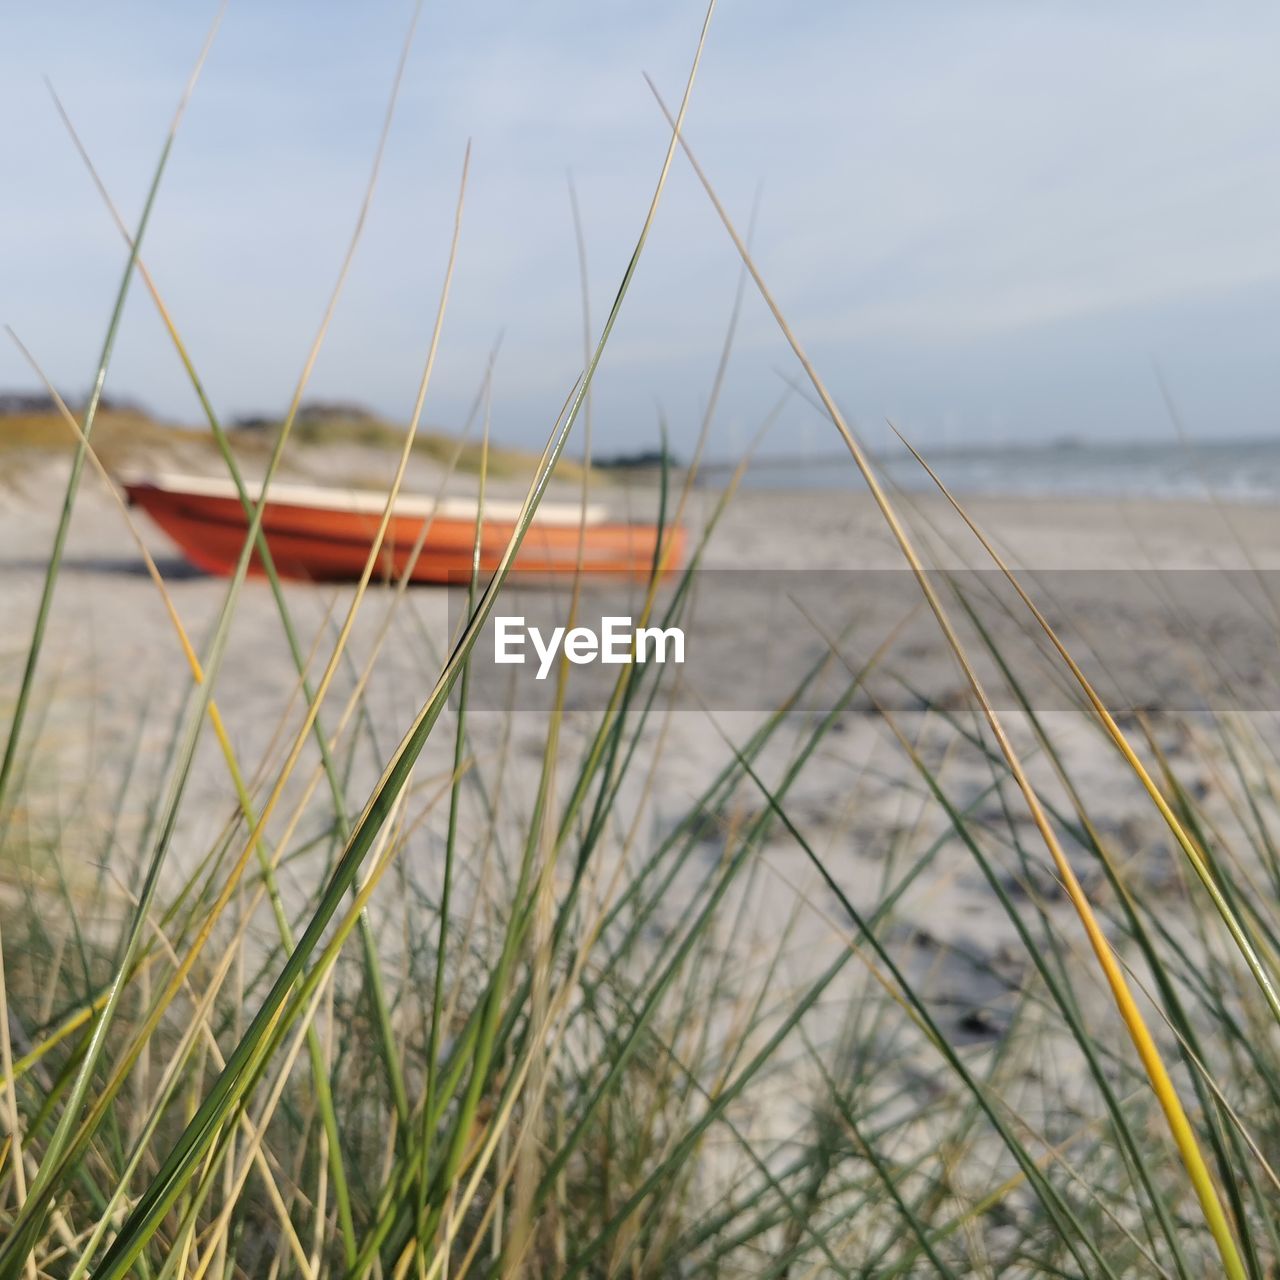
317, 544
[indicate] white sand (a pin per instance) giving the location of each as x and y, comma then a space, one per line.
112, 670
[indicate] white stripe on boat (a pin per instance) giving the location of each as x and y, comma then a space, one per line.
367, 501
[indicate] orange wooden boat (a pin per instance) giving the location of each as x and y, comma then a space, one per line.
324, 534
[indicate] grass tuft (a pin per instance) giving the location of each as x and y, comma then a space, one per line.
322, 971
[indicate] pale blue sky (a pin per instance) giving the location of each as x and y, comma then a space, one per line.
986, 220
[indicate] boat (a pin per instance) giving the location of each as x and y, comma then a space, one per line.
322, 534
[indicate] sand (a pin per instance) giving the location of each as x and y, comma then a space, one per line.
113, 684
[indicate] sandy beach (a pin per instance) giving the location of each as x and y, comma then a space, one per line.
742, 741
114, 681
114, 690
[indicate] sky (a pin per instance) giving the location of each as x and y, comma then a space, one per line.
989, 222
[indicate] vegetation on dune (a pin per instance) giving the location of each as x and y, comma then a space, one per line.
322, 424
122, 438
473, 1023
130, 437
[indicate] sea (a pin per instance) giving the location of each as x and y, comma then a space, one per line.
1232, 471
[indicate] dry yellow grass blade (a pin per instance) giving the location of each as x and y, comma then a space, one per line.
520, 1235
1157, 1073
388, 846
14, 1152
143, 1034
238, 1177
180, 347
1051, 1154
193, 661
550, 1031
202, 1004
1185, 842
236, 872
1214, 1087
553, 1028
200, 1023
69, 1026
153, 571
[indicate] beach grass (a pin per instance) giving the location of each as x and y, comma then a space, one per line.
489, 1016
130, 439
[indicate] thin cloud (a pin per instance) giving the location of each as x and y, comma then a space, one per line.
943, 185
